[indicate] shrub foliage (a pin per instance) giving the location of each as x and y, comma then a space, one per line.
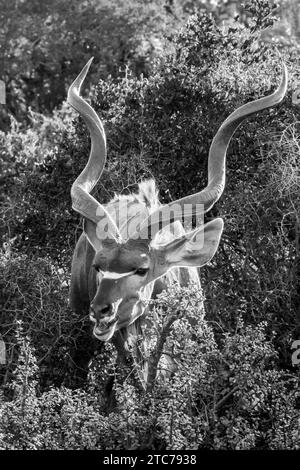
221, 396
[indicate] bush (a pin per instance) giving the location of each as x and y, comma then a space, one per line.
35, 292
230, 396
45, 45
36, 175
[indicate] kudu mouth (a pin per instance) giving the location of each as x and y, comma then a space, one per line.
106, 326
105, 330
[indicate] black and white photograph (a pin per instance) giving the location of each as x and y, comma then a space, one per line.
150, 228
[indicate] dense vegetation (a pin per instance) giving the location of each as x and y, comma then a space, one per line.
164, 78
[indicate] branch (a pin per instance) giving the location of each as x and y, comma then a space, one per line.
156, 355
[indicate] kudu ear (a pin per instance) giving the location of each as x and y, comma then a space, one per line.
89, 228
192, 249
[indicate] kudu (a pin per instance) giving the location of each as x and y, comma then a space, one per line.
114, 274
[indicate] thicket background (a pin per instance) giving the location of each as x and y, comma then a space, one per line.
164, 77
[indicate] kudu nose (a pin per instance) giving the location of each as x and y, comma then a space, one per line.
100, 311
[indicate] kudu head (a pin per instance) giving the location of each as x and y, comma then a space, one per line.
129, 255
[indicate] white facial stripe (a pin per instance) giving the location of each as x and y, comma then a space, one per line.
112, 275
116, 306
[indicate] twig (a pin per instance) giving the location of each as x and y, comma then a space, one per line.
156, 355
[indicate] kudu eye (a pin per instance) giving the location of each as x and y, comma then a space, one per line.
141, 271
96, 268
